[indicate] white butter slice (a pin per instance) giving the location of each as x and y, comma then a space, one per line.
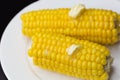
70, 50
109, 63
76, 10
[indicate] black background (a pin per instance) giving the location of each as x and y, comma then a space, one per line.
8, 9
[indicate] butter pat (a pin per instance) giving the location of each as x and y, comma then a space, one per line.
70, 50
109, 63
76, 10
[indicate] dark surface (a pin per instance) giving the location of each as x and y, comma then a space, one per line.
8, 9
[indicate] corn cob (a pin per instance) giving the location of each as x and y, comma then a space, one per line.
97, 25
89, 61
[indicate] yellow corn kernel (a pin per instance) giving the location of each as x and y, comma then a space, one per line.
104, 76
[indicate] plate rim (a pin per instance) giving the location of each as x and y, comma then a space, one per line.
2, 37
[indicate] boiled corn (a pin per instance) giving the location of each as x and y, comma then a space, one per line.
97, 25
89, 62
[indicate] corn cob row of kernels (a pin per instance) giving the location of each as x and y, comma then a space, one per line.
93, 11
91, 24
49, 51
96, 35
97, 17
84, 24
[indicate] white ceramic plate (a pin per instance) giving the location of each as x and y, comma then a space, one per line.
13, 55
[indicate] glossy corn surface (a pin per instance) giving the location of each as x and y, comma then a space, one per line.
49, 51
96, 25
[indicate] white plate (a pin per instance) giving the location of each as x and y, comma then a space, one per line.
14, 60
